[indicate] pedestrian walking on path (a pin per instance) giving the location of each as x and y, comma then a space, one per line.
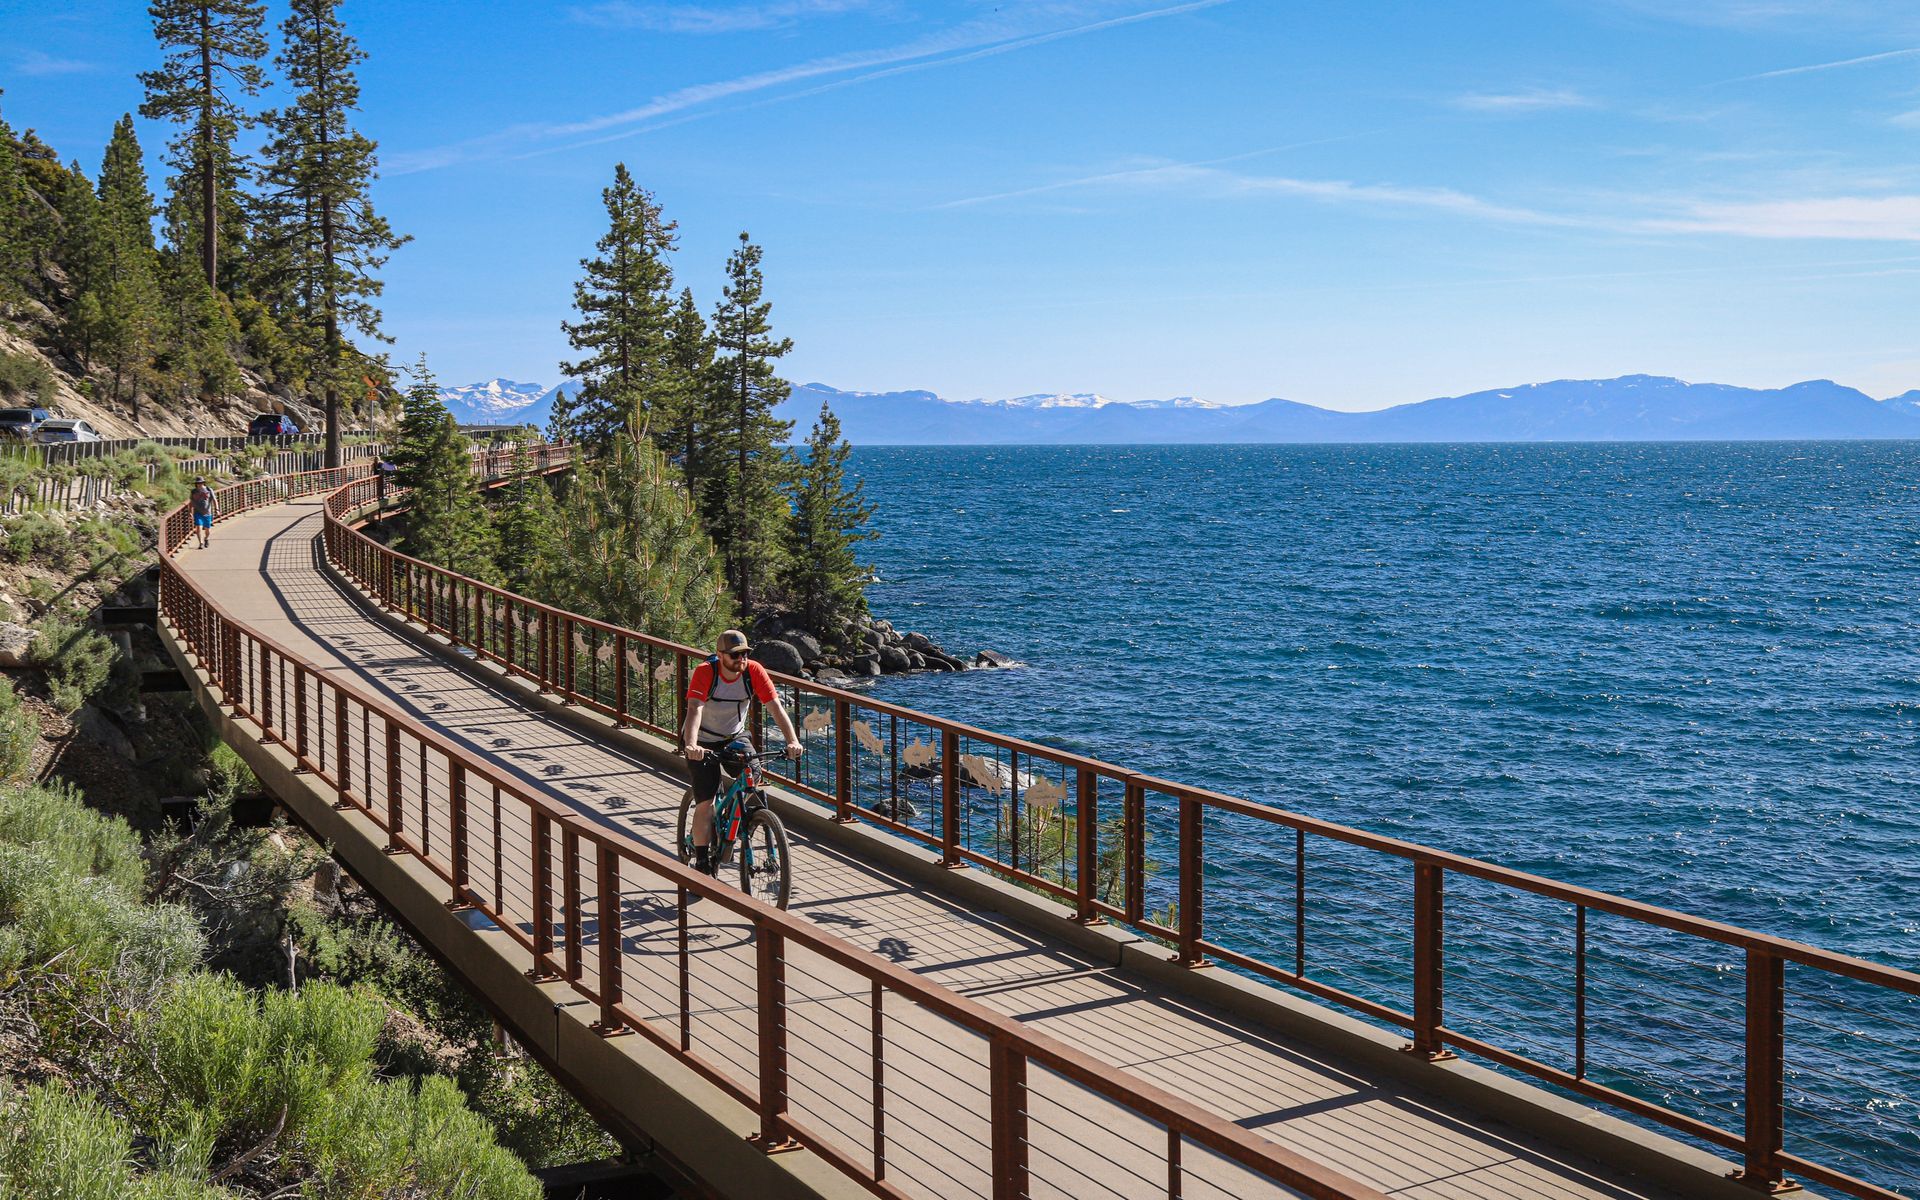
203, 505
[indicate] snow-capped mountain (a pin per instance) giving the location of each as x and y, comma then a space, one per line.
503, 402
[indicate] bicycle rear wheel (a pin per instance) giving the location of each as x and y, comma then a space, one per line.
766, 865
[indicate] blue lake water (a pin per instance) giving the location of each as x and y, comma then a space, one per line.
1686, 674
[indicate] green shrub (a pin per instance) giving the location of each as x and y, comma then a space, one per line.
19, 733
78, 661
71, 1147
54, 818
33, 534
24, 378
91, 923
389, 1137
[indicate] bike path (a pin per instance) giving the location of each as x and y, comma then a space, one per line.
265, 567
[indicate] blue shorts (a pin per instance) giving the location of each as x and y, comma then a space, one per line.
203, 520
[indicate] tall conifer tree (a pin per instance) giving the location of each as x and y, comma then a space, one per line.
82, 248
626, 378
681, 431
636, 554
446, 520
744, 506
824, 580
328, 243
528, 527
212, 50
16, 224
125, 283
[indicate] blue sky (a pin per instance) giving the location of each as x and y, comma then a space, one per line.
1350, 205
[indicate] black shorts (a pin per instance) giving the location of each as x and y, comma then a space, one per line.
706, 773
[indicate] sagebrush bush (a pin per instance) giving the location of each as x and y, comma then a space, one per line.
19, 733
90, 923
72, 1148
78, 661
54, 817
24, 379
34, 534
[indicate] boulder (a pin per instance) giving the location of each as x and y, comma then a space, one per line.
893, 660
867, 664
920, 642
884, 626
991, 658
833, 677
918, 660
875, 639
100, 729
14, 641
805, 643
778, 656
770, 626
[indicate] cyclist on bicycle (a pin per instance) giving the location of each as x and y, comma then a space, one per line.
715, 731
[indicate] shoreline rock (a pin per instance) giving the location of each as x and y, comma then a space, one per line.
865, 648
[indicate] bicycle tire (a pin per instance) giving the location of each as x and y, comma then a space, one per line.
762, 834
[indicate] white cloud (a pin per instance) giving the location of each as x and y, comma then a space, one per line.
998, 33
1523, 100
37, 62
1851, 218
718, 18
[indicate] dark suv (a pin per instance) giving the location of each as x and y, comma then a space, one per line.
272, 425
21, 422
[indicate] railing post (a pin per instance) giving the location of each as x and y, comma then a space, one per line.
1429, 968
1086, 825
1133, 829
342, 759
1007, 1081
542, 897
265, 677
570, 898
620, 680
680, 692
1766, 1073
842, 763
299, 718
395, 812
1192, 884
949, 798
568, 693
457, 832
611, 990
770, 958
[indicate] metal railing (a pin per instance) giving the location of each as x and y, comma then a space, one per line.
1675, 1019
945, 1096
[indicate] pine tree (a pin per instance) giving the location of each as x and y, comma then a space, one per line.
560, 418
83, 249
623, 302
681, 431
212, 49
824, 581
528, 529
636, 554
327, 243
446, 520
127, 289
742, 499
18, 229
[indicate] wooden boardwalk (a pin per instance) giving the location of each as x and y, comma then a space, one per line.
265, 568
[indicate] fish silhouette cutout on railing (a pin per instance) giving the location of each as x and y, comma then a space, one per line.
815, 722
983, 772
917, 753
1045, 793
869, 741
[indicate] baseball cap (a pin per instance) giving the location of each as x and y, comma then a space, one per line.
732, 641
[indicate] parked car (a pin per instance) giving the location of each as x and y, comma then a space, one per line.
272, 425
61, 429
21, 422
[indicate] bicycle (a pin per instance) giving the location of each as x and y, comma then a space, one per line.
742, 816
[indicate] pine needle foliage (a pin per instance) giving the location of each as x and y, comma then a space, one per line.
212, 57
635, 551
326, 242
528, 526
741, 496
446, 523
823, 580
624, 299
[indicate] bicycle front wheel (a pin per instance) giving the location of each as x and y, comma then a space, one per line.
766, 865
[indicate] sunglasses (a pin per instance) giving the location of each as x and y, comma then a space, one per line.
737, 653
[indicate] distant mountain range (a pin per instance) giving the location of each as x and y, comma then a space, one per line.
1630, 408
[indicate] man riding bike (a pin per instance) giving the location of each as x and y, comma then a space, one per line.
719, 693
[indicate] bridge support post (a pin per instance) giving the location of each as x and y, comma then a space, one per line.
1429, 967
542, 898
457, 834
842, 763
396, 810
1766, 1074
612, 991
1192, 885
771, 961
949, 798
1086, 824
1007, 1075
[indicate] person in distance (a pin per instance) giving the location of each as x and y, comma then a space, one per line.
201, 499
719, 693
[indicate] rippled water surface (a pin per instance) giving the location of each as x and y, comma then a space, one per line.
1683, 673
